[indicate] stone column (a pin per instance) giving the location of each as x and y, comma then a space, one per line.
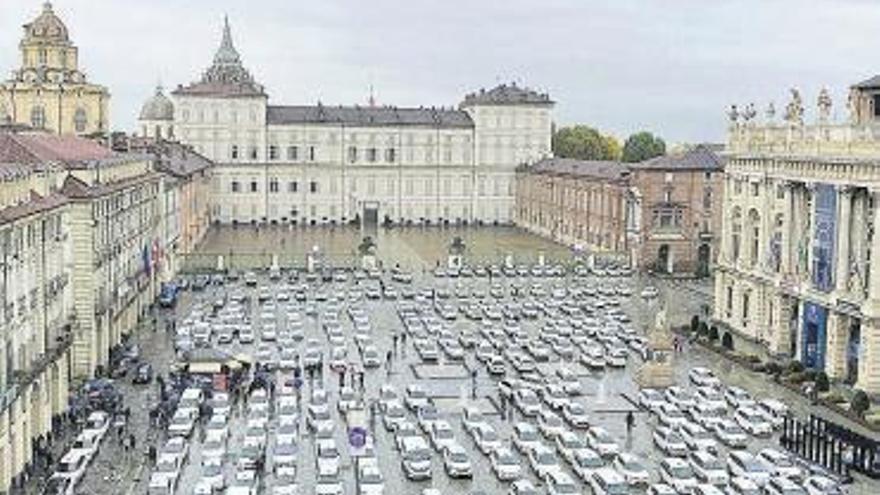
844, 217
874, 275
837, 336
869, 365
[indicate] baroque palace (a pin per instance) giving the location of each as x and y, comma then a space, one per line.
328, 164
87, 235
798, 273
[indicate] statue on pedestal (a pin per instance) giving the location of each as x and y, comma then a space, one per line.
456, 254
367, 251
657, 370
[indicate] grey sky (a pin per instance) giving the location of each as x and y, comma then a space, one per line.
671, 66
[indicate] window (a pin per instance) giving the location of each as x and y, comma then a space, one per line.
737, 186
292, 186
292, 153
273, 152
311, 153
80, 120
43, 57
254, 187
253, 153
756, 188
234, 152
780, 191
736, 222
273, 185
352, 154
38, 117
371, 155
707, 199
729, 301
390, 155
876, 105
668, 177
667, 196
313, 186
745, 308
236, 187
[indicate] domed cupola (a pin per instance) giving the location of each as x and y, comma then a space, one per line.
158, 108
47, 28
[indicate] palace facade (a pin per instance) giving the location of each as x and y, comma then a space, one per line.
798, 272
329, 164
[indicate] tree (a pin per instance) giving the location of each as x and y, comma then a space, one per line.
641, 146
860, 403
584, 143
822, 382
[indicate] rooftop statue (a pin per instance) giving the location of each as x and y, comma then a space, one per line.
794, 111
824, 103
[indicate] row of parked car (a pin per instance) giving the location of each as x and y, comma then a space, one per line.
72, 466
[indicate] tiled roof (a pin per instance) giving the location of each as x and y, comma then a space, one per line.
368, 116
700, 157
41, 147
179, 160
36, 204
599, 169
507, 94
221, 89
75, 188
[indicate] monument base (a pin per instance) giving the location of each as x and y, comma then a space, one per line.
655, 375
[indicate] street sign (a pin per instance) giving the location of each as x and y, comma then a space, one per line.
357, 437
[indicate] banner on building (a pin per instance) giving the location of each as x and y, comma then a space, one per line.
813, 336
824, 237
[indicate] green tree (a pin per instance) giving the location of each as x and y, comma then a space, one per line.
860, 403
642, 146
584, 143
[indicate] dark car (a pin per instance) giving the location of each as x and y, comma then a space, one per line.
143, 374
200, 282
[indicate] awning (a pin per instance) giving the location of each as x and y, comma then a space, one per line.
204, 368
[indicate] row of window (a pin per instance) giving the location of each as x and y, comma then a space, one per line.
39, 120
275, 186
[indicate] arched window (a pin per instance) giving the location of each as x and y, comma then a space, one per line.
80, 120
736, 233
38, 117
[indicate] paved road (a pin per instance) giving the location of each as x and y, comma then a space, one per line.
605, 393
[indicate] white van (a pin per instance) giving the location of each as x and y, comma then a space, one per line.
191, 398
606, 481
161, 485
87, 442
72, 465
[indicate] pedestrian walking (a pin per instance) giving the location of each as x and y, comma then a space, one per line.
361, 380
474, 383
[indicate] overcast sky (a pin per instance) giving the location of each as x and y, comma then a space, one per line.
670, 66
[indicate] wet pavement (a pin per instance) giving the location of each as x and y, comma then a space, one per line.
607, 396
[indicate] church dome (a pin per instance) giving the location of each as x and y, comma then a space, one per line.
158, 107
46, 27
